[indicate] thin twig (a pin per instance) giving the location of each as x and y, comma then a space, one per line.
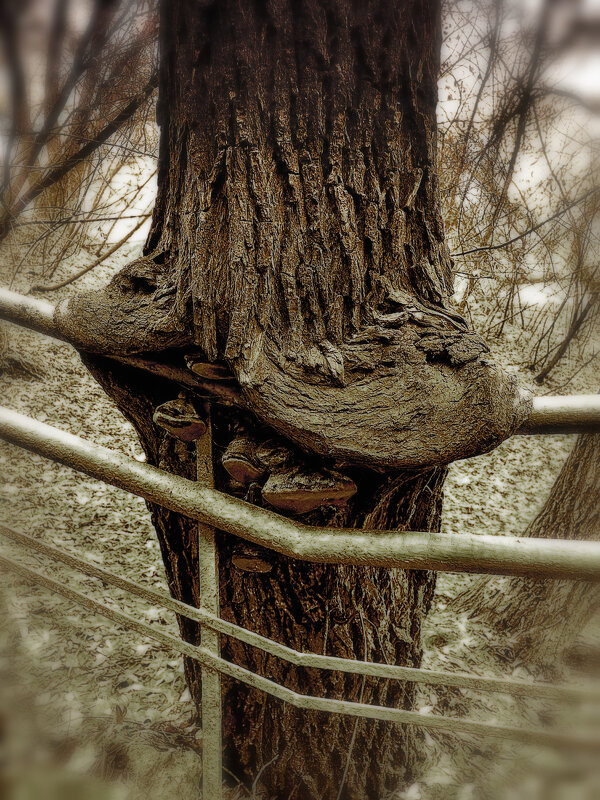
559, 213
95, 263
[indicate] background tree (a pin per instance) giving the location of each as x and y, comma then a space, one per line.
81, 77
541, 619
520, 181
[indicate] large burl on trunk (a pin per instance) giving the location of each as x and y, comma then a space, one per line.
297, 246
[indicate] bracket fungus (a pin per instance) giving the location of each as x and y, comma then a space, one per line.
211, 371
299, 490
240, 460
180, 419
248, 557
292, 484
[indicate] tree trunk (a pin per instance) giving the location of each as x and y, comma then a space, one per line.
543, 617
297, 253
365, 613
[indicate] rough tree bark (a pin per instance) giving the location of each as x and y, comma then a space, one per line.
543, 617
297, 241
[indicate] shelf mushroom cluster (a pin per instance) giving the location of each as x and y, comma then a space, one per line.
285, 478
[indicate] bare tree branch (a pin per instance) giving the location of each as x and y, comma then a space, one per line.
531, 230
60, 171
95, 263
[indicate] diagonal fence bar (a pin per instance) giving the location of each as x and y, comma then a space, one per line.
449, 552
214, 663
314, 660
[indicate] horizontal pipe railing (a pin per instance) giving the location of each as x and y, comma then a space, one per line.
450, 552
306, 702
389, 671
572, 414
37, 315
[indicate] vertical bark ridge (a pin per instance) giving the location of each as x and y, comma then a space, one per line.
309, 134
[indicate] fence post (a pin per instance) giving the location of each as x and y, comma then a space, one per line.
212, 767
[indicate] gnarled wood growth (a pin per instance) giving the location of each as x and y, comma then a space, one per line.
297, 246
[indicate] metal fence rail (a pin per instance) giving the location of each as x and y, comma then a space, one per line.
314, 660
450, 552
308, 702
